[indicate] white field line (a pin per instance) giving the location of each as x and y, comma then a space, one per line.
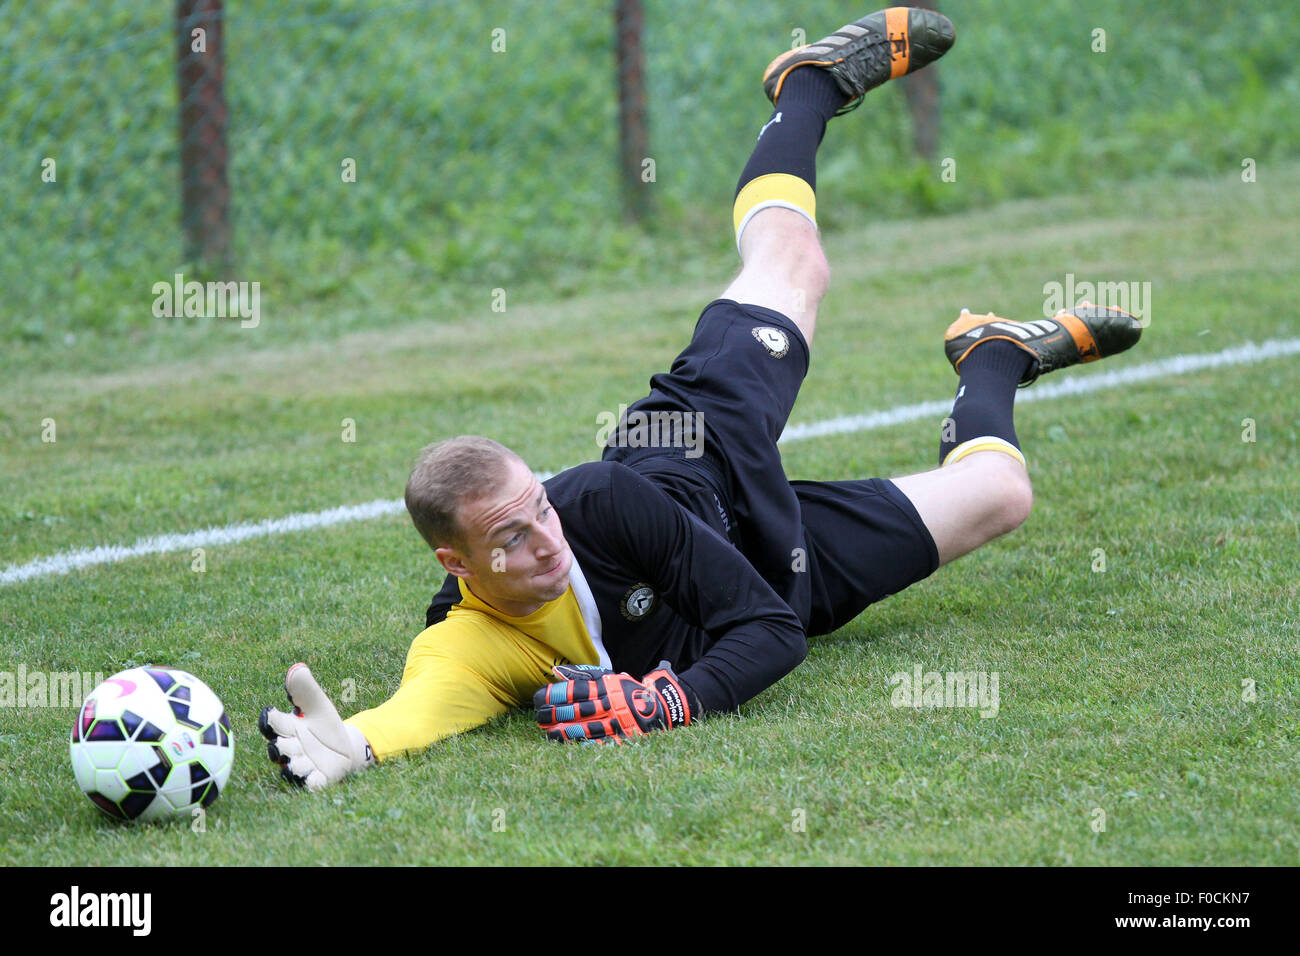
66, 561
1247, 354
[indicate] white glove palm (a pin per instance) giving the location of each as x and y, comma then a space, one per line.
312, 745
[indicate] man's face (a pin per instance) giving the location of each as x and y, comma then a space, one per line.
516, 558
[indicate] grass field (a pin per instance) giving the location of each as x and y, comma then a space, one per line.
477, 167
1121, 690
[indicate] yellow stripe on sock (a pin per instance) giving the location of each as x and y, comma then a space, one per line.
773, 189
986, 443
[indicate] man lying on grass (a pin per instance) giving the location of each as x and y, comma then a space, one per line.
662, 584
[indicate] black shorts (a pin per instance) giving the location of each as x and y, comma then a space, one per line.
830, 548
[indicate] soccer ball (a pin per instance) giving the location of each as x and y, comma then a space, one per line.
151, 743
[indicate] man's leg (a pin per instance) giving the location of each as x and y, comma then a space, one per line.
785, 269
968, 504
981, 489
775, 208
870, 538
748, 356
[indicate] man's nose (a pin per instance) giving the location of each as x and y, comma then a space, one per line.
549, 541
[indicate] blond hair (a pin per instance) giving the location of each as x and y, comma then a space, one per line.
447, 474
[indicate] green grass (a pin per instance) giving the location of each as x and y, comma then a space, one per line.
478, 170
1120, 691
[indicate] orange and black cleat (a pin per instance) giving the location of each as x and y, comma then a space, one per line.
868, 52
1083, 334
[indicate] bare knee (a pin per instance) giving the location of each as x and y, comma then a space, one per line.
815, 273
1012, 492
804, 275
788, 276
967, 504
799, 259
1001, 496
782, 252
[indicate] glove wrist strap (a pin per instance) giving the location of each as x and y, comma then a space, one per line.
360, 753
677, 707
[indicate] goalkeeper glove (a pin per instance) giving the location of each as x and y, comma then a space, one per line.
312, 745
595, 703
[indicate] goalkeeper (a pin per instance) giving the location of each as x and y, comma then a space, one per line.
662, 584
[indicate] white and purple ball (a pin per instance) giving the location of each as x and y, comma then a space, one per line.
152, 743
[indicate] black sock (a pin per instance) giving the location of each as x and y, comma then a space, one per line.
788, 143
986, 396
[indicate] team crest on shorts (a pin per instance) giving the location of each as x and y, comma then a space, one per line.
775, 341
638, 602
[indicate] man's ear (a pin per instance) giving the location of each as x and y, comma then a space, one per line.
452, 561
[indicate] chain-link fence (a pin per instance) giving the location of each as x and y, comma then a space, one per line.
465, 142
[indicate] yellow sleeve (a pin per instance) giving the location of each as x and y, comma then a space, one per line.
459, 674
